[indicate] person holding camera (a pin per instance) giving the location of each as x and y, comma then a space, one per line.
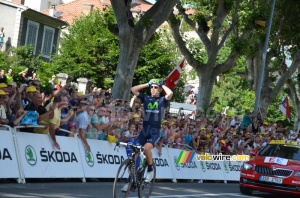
154, 106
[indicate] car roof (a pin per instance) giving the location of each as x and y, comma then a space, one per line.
285, 142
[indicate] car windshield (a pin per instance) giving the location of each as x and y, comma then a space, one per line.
281, 150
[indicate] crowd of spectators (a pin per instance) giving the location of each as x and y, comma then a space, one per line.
67, 112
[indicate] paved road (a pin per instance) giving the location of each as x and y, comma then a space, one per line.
104, 189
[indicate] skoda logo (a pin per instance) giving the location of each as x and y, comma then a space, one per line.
176, 164
202, 166
89, 158
273, 167
30, 155
225, 167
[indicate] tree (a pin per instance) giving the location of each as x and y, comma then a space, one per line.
284, 39
133, 37
90, 50
233, 91
294, 92
219, 19
272, 84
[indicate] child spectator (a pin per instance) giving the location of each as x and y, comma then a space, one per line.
18, 113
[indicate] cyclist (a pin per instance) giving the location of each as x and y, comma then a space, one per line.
154, 106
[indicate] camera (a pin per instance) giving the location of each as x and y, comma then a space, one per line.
106, 93
75, 109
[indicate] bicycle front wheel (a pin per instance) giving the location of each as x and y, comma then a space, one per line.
145, 188
123, 180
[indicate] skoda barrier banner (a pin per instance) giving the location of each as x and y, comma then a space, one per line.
8, 159
232, 170
190, 170
163, 164
40, 159
212, 170
102, 161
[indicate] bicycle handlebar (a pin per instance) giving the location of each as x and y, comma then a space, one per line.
129, 144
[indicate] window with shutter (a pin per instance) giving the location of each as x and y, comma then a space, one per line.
47, 41
32, 34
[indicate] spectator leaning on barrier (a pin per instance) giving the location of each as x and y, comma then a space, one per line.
67, 114
54, 119
84, 121
99, 125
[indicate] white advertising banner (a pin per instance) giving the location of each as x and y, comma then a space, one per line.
184, 170
232, 170
212, 170
163, 164
102, 161
8, 159
40, 159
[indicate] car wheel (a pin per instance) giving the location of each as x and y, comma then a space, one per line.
245, 191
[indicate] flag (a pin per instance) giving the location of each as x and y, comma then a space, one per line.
285, 108
172, 79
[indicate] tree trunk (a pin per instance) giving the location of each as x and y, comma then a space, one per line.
264, 103
296, 103
206, 83
128, 57
297, 119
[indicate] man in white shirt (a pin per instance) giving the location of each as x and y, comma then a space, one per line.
234, 121
84, 121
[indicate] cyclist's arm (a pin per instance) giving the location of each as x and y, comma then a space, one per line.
169, 92
136, 89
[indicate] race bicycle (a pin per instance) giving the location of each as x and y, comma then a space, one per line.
129, 178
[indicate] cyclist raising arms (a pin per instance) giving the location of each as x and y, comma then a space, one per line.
153, 114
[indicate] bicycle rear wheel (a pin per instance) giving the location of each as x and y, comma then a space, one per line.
123, 178
145, 189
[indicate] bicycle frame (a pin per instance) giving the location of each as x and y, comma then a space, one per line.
136, 150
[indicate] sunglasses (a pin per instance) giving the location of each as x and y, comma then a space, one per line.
94, 110
155, 87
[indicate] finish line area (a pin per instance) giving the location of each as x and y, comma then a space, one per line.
104, 189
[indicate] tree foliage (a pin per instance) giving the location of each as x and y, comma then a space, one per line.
90, 50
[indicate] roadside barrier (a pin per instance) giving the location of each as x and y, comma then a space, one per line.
29, 155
